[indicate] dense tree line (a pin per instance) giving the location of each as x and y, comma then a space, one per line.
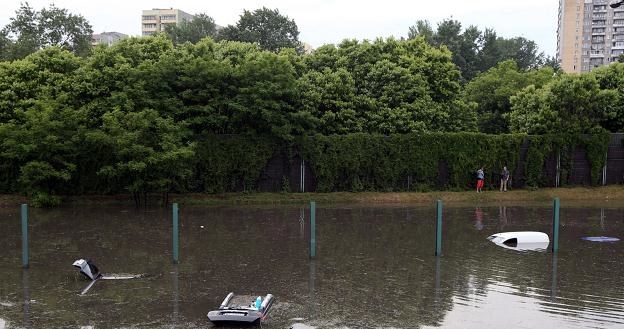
475, 51
131, 116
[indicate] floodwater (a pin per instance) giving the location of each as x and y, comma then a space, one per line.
375, 267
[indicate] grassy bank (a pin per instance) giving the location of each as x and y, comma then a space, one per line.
577, 195
612, 194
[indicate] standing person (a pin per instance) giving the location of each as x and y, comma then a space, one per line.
480, 179
504, 179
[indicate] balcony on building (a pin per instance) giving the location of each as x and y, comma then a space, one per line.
596, 53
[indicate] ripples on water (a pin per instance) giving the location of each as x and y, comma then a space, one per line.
375, 268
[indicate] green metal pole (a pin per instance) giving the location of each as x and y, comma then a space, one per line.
176, 246
312, 229
25, 235
438, 241
555, 246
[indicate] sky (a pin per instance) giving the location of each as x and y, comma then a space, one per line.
330, 21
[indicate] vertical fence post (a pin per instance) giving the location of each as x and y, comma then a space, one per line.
438, 241
176, 246
555, 246
312, 229
25, 262
604, 170
558, 173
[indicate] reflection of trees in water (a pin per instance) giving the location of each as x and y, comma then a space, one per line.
375, 267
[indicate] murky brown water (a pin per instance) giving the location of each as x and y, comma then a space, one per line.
375, 268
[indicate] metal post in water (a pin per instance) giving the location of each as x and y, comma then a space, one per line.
176, 246
312, 229
438, 242
25, 235
604, 171
555, 246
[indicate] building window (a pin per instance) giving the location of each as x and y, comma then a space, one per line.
149, 26
149, 17
148, 32
168, 17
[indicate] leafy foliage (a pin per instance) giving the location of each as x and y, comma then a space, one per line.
148, 116
267, 27
385, 86
475, 51
31, 30
192, 31
568, 104
492, 90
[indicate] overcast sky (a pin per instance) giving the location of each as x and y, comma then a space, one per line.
330, 21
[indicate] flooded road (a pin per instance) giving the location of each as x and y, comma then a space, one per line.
374, 268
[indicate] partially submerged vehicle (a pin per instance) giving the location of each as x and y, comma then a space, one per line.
238, 311
90, 271
521, 241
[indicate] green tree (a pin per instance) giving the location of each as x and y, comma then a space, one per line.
30, 31
521, 50
611, 78
422, 28
192, 31
385, 86
492, 90
150, 153
568, 104
272, 30
553, 63
476, 51
40, 128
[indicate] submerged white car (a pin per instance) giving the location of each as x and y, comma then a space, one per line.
522, 241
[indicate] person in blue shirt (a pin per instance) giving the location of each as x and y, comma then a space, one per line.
480, 179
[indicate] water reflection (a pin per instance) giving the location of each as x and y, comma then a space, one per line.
175, 283
375, 274
478, 214
438, 274
502, 216
553, 285
311, 288
26, 296
2, 324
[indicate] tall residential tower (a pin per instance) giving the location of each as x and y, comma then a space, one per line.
155, 20
590, 34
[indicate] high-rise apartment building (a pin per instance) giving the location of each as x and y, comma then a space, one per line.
590, 34
156, 19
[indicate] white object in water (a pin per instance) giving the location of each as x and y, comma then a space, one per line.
87, 268
525, 240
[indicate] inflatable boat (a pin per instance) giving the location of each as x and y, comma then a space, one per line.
245, 310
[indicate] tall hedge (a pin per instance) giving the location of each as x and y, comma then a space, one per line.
378, 163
